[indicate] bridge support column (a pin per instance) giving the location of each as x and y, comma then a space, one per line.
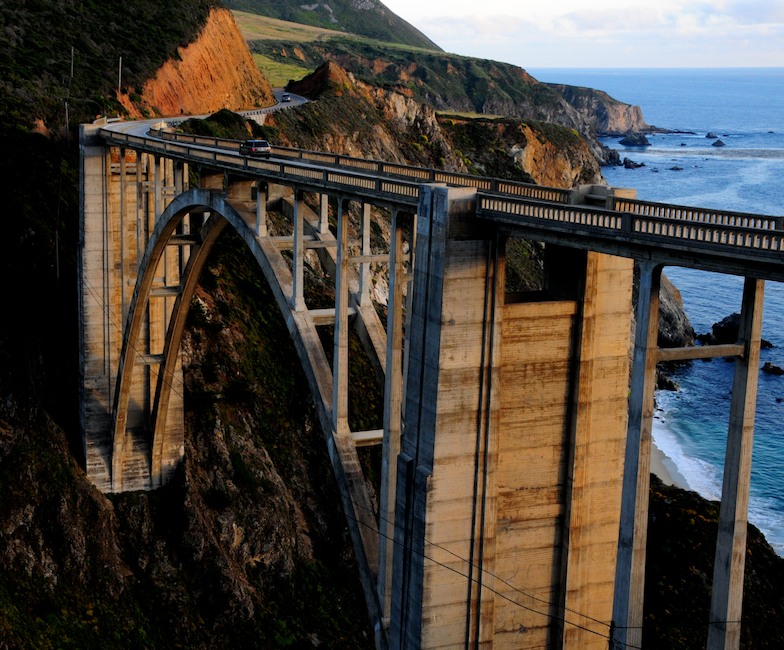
323, 224
444, 499
99, 340
729, 564
261, 209
298, 272
340, 356
364, 267
630, 571
508, 490
594, 449
393, 403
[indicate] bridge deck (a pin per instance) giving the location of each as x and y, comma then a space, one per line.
715, 240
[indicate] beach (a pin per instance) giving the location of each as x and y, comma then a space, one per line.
663, 467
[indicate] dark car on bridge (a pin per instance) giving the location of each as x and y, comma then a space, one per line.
259, 148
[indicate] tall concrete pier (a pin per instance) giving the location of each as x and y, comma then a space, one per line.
508, 485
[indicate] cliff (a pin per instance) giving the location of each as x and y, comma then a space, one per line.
356, 118
545, 153
215, 71
602, 113
456, 84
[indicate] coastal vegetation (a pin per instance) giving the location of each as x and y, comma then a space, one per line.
369, 19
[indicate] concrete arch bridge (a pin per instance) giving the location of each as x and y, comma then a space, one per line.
516, 450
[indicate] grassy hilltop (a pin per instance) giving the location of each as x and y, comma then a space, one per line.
370, 18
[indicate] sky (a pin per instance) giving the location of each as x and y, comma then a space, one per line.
605, 33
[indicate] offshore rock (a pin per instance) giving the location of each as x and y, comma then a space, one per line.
772, 369
726, 331
628, 163
635, 140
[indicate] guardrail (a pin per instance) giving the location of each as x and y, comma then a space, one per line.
746, 231
421, 174
700, 215
402, 191
640, 222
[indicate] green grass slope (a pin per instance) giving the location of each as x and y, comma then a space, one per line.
368, 18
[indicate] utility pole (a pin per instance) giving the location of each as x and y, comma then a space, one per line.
119, 77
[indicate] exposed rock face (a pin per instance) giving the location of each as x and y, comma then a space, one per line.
450, 83
368, 121
358, 119
675, 329
556, 166
539, 153
607, 116
215, 71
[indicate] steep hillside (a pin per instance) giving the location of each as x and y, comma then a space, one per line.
368, 18
245, 548
457, 84
61, 58
215, 71
355, 118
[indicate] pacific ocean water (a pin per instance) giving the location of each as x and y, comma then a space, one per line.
745, 109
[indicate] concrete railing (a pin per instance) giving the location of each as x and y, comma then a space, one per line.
639, 222
693, 225
700, 215
420, 174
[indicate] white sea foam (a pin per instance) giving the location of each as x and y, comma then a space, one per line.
705, 478
700, 476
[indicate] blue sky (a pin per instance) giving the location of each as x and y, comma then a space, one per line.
605, 33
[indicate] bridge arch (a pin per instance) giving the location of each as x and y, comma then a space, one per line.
161, 238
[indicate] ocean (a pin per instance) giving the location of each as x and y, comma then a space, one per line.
745, 109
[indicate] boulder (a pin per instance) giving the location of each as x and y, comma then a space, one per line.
726, 331
772, 368
630, 164
718, 143
635, 140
